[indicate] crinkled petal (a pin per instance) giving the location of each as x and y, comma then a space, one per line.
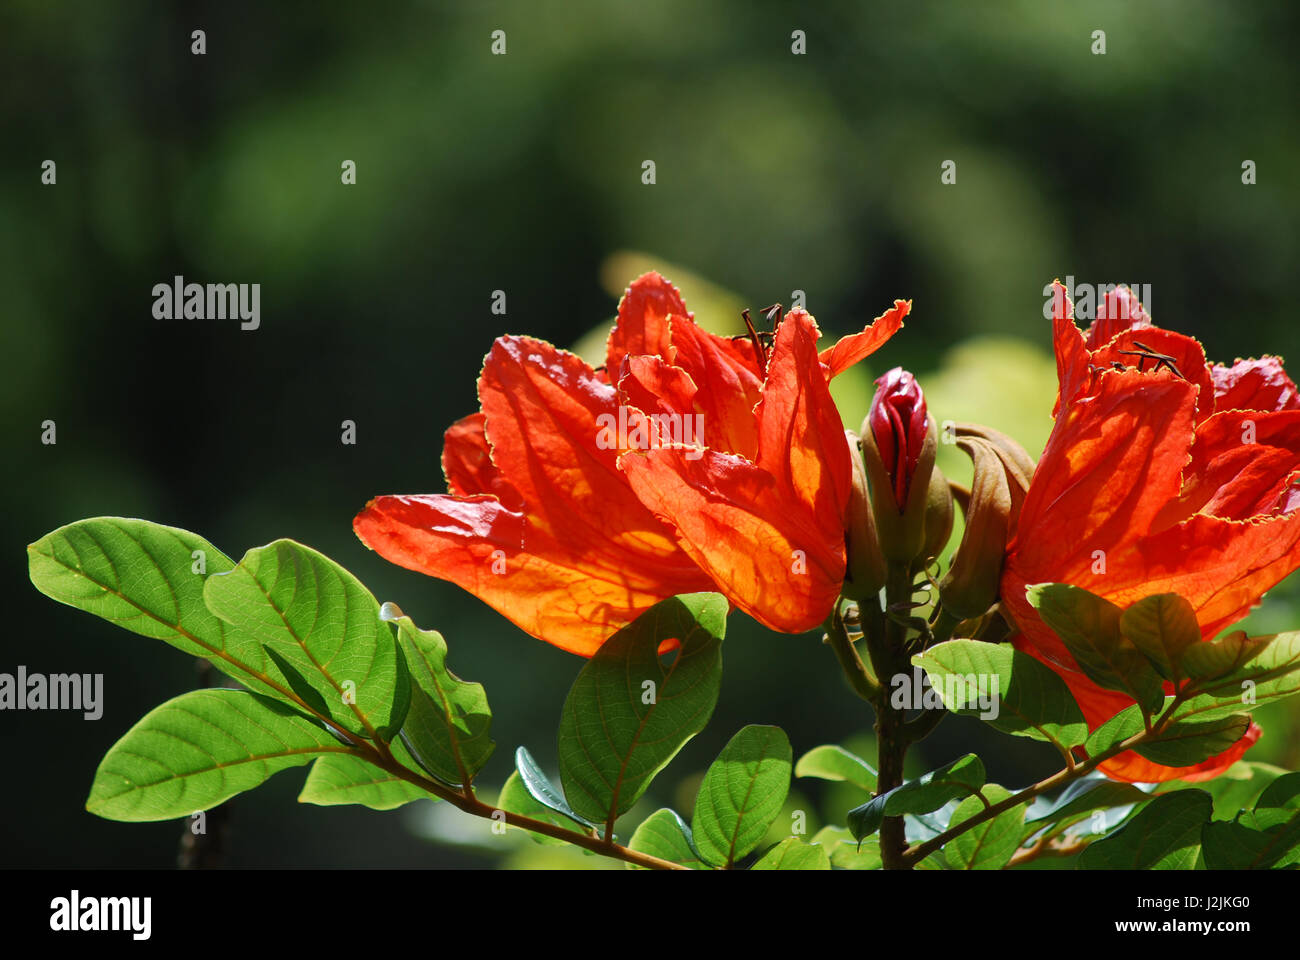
858, 346
1118, 311
642, 326
1254, 385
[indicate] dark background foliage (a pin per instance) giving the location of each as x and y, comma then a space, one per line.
522, 173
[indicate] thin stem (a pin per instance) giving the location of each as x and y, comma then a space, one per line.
859, 677
475, 807
890, 659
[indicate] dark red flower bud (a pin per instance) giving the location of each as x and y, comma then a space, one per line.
899, 422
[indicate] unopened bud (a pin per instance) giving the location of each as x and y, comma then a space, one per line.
899, 440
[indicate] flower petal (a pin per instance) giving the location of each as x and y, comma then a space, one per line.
1254, 385
732, 520
467, 463
1187, 355
858, 346
520, 569
801, 437
642, 326
1118, 311
771, 532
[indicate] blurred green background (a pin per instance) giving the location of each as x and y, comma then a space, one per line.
775, 172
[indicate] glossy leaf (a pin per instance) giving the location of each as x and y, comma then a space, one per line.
953, 781
542, 790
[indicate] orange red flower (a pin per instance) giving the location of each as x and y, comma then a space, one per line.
571, 536
1163, 474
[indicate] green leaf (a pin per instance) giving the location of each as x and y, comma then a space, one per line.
961, 778
988, 845
338, 778
1183, 743
1089, 626
199, 749
794, 854
1030, 699
1127, 723
847, 853
1163, 835
141, 576
1187, 744
628, 714
447, 724
1237, 846
1218, 658
1284, 792
1271, 673
832, 762
741, 794
320, 619
515, 798
1163, 627
543, 791
664, 834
